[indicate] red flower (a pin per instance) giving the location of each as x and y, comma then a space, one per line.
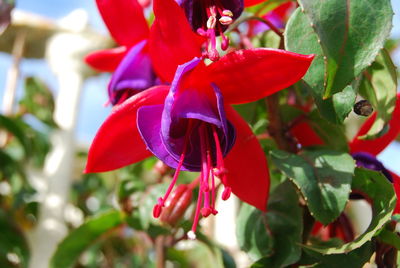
244, 169
126, 24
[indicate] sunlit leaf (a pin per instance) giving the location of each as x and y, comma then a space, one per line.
323, 177
351, 33
375, 186
275, 235
379, 86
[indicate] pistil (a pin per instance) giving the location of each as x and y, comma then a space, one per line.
207, 172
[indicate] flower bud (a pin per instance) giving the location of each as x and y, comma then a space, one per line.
176, 204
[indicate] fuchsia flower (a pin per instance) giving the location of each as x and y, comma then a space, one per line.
128, 27
131, 61
363, 151
190, 124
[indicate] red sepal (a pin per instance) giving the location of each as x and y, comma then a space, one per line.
251, 74
118, 142
249, 3
172, 41
247, 168
125, 20
305, 134
377, 145
396, 185
106, 60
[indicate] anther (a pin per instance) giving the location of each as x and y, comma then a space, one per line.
225, 20
211, 22
206, 211
227, 12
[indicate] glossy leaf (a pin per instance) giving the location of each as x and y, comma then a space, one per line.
379, 86
301, 38
69, 250
351, 34
379, 190
390, 238
323, 177
275, 234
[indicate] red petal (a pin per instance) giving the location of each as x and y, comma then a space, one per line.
172, 41
248, 173
305, 135
249, 3
252, 74
124, 20
377, 145
396, 185
106, 60
118, 142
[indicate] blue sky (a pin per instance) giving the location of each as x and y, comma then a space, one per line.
94, 94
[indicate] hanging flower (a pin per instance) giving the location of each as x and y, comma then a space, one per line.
190, 126
131, 61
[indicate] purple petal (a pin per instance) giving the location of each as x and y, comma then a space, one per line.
369, 161
182, 104
149, 125
134, 74
274, 18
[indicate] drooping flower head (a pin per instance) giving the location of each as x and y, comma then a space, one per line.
131, 60
190, 126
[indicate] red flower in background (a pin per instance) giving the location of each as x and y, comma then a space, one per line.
364, 151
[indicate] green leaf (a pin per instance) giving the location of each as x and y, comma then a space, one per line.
332, 134
378, 189
354, 258
14, 251
69, 250
323, 177
301, 38
198, 254
390, 238
351, 33
379, 87
16, 128
38, 101
275, 234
